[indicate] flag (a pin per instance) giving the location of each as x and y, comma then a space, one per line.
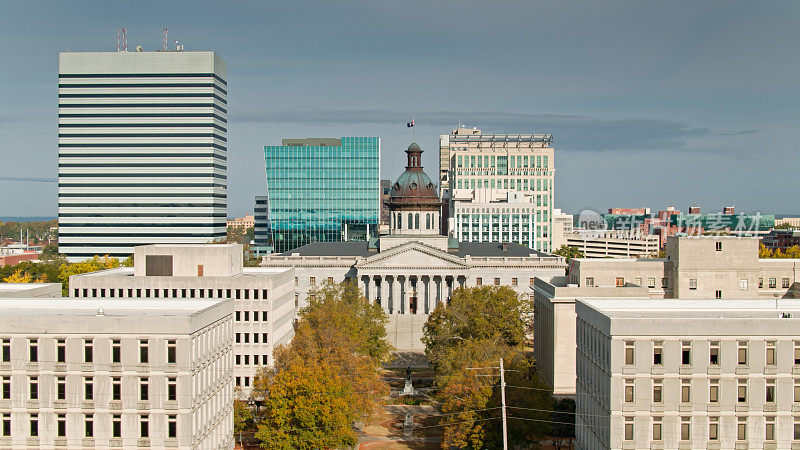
410, 124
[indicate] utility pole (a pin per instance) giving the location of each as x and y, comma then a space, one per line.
503, 402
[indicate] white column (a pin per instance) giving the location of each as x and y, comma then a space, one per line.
364, 283
406, 296
438, 281
428, 302
384, 290
396, 294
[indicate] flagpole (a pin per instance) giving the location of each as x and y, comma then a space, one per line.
413, 129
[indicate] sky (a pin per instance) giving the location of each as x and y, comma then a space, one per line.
649, 103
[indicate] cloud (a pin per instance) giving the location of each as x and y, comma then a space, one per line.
572, 132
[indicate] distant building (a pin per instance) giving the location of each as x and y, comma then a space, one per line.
793, 222
263, 298
114, 373
10, 257
323, 190
142, 150
695, 268
613, 243
687, 374
414, 268
562, 227
386, 189
261, 235
496, 215
248, 221
634, 211
781, 239
524, 163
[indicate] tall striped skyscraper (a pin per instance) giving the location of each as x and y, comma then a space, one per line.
142, 150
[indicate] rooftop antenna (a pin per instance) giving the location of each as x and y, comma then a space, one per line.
122, 39
165, 39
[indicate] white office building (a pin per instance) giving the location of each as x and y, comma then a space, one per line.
492, 215
263, 297
142, 150
687, 374
111, 373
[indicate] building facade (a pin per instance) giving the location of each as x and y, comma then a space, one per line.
524, 163
488, 215
563, 225
613, 243
715, 374
111, 373
30, 290
263, 298
142, 150
261, 235
696, 268
248, 221
323, 190
414, 268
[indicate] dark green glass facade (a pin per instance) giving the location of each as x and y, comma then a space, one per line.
323, 193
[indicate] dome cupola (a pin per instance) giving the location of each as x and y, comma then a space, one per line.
414, 203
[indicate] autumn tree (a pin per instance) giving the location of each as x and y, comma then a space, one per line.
327, 378
568, 252
242, 415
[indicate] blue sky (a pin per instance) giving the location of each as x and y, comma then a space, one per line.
650, 103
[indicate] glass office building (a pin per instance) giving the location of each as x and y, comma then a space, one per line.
323, 190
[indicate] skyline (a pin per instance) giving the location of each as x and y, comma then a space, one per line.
703, 93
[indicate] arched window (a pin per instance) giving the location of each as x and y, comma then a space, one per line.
427, 221
410, 221
398, 223
416, 221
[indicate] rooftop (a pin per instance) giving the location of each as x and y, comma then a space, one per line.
353, 249
110, 307
692, 309
17, 287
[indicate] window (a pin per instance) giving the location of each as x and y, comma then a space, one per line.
61, 388
796, 428
686, 353
742, 354
34, 425
664, 283
116, 426
770, 353
719, 246
769, 428
589, 281
658, 390
620, 282
773, 283
530, 281
61, 425
144, 426
88, 424
686, 391
143, 350
743, 285
312, 281
741, 428
797, 352
158, 265
637, 281
713, 354
172, 352
513, 281
686, 428
629, 391
6, 350
713, 428
760, 283
33, 385
6, 387
88, 350
497, 281
479, 282
144, 389
657, 428
741, 391
172, 389
116, 388
7, 424
330, 279
718, 294
693, 284
88, 388
713, 390
784, 283
33, 350
770, 391
651, 283
629, 360
116, 351
629, 428
61, 350
658, 350
172, 426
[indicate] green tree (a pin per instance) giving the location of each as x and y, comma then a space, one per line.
568, 252
242, 415
308, 406
128, 262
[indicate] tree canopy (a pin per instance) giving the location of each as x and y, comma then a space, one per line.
568, 252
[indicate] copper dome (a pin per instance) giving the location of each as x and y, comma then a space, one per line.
414, 187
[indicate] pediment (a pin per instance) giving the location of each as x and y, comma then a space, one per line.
412, 255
